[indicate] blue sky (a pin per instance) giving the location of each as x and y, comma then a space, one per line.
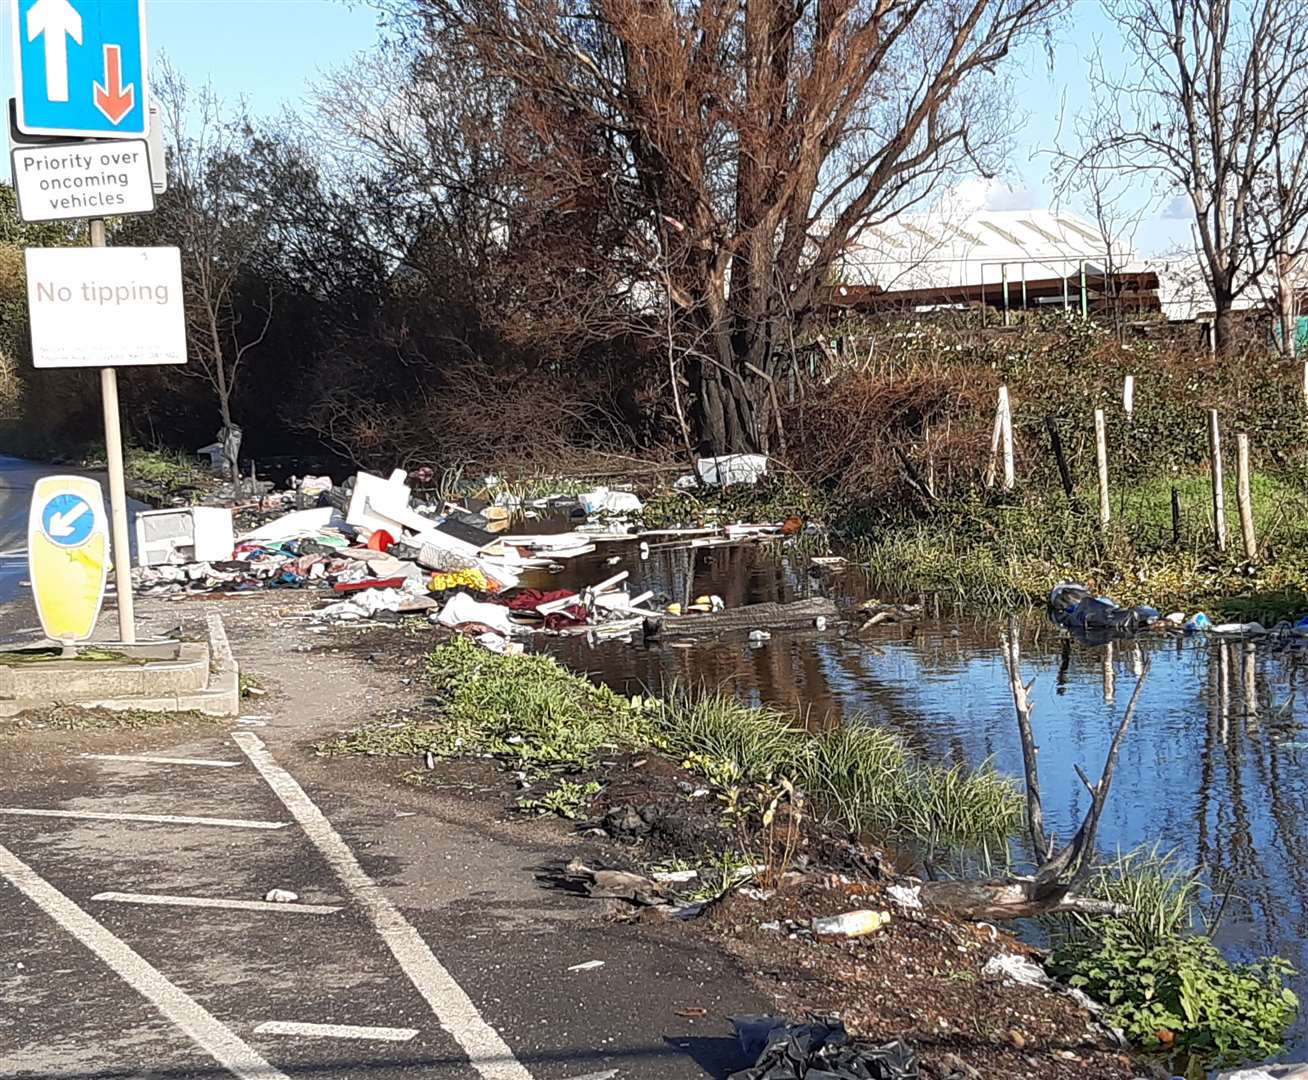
270, 51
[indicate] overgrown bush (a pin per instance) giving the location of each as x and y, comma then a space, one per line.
1168, 988
925, 405
1180, 993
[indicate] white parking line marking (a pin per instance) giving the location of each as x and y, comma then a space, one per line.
161, 819
488, 1053
164, 900
150, 759
195, 1021
335, 1031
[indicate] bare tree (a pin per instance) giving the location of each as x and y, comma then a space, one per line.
1279, 234
740, 146
209, 212
1213, 102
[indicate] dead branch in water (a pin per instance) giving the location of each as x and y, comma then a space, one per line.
1060, 871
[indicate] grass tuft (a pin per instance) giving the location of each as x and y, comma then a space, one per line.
530, 711
753, 742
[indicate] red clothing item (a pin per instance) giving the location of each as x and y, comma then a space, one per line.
531, 599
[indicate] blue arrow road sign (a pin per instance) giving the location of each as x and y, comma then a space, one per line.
68, 520
81, 67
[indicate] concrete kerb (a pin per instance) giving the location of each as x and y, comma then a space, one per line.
204, 678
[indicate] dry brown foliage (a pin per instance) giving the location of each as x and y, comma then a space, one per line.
871, 434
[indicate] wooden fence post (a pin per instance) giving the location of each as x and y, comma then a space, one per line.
1243, 498
1176, 517
1006, 416
1101, 458
1128, 396
1219, 495
1056, 445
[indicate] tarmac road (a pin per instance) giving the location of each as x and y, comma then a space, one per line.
427, 939
18, 621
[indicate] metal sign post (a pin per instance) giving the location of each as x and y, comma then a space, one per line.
113, 448
81, 75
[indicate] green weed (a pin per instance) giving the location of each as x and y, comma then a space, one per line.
1166, 988
528, 709
853, 772
744, 741
400, 736
1181, 993
567, 799
1160, 895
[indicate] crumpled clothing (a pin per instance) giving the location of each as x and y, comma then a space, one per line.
572, 616
368, 602
531, 599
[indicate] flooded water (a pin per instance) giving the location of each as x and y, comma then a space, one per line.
1215, 767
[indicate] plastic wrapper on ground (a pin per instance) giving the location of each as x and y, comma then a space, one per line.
818, 1050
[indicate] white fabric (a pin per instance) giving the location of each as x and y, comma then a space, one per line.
462, 608
732, 469
612, 502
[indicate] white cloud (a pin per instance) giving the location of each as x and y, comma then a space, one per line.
1179, 208
980, 193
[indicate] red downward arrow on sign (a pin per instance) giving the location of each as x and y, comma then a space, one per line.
114, 99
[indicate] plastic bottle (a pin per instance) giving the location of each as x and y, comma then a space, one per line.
851, 923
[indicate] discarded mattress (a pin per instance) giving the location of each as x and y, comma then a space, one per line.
796, 615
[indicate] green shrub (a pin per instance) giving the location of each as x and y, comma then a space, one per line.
1181, 993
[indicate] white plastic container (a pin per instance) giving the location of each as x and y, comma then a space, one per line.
187, 534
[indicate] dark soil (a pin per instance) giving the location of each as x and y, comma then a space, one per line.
918, 979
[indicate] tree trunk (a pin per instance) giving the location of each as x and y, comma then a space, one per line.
224, 391
1287, 305
731, 412
1223, 326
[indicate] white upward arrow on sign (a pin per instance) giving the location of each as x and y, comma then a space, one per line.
58, 20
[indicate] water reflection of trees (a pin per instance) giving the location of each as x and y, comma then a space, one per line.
1218, 771
1250, 830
